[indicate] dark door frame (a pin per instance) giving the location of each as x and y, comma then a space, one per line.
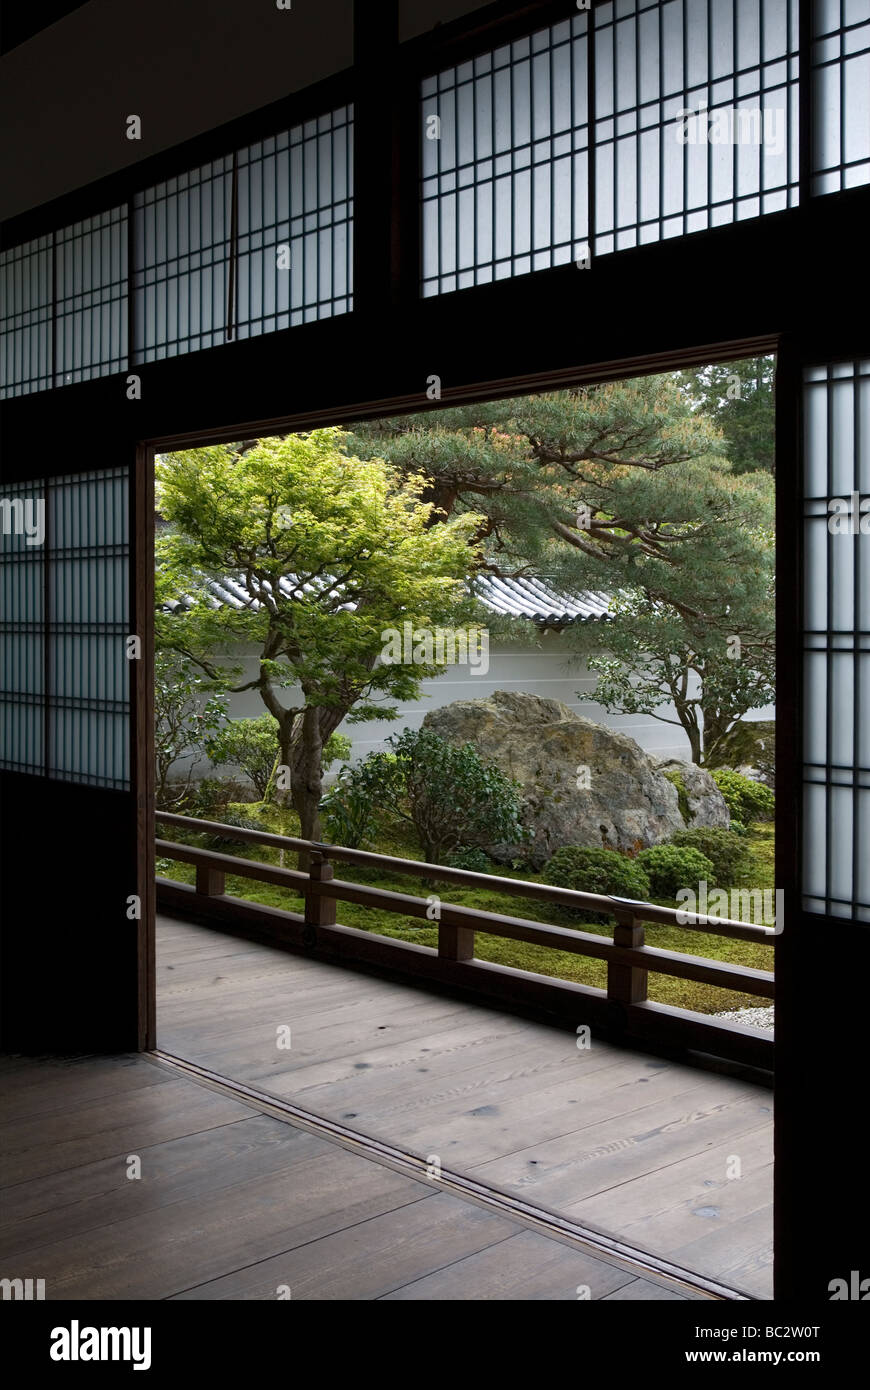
143, 742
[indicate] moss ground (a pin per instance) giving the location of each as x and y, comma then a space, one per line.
757, 872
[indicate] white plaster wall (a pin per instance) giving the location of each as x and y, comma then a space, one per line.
547, 670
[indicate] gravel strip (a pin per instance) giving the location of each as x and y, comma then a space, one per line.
761, 1017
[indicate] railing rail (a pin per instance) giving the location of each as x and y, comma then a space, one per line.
629, 960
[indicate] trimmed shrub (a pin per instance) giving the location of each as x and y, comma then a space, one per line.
670, 868
589, 870
746, 800
454, 797
213, 795
471, 858
724, 848
351, 807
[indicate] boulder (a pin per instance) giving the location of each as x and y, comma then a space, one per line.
628, 803
703, 804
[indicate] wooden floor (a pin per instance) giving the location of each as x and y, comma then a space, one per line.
232, 1204
669, 1158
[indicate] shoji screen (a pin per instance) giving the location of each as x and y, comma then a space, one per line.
693, 109
295, 191
841, 94
504, 161
22, 627
837, 640
732, 64
26, 317
181, 262
64, 618
91, 298
63, 306
250, 243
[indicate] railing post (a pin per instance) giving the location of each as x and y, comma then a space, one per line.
455, 943
211, 883
319, 910
627, 984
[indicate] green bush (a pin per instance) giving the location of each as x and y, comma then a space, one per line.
670, 868
252, 745
468, 857
211, 797
249, 744
453, 798
589, 870
746, 800
350, 807
724, 848
232, 816
336, 749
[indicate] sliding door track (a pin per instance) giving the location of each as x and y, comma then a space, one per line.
639, 1263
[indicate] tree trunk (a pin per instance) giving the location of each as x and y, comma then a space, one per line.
686, 713
716, 725
307, 778
283, 793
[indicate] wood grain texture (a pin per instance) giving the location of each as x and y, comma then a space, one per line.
624, 1142
243, 1207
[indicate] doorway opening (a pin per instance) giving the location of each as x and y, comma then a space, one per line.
526, 642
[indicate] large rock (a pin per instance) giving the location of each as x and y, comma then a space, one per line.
704, 805
629, 804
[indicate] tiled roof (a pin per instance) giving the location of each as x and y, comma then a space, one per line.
530, 598
519, 598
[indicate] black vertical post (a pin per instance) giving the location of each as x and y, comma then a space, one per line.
591, 112
47, 541
383, 131
805, 103
233, 256
131, 283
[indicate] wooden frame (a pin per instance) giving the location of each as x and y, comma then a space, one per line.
786, 281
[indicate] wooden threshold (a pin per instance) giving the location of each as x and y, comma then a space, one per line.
640, 1263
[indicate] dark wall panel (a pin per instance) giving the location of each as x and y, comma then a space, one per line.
181, 66
68, 950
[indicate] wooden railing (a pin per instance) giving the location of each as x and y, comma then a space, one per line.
623, 1009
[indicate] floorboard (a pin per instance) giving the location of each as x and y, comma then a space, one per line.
234, 1204
632, 1145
